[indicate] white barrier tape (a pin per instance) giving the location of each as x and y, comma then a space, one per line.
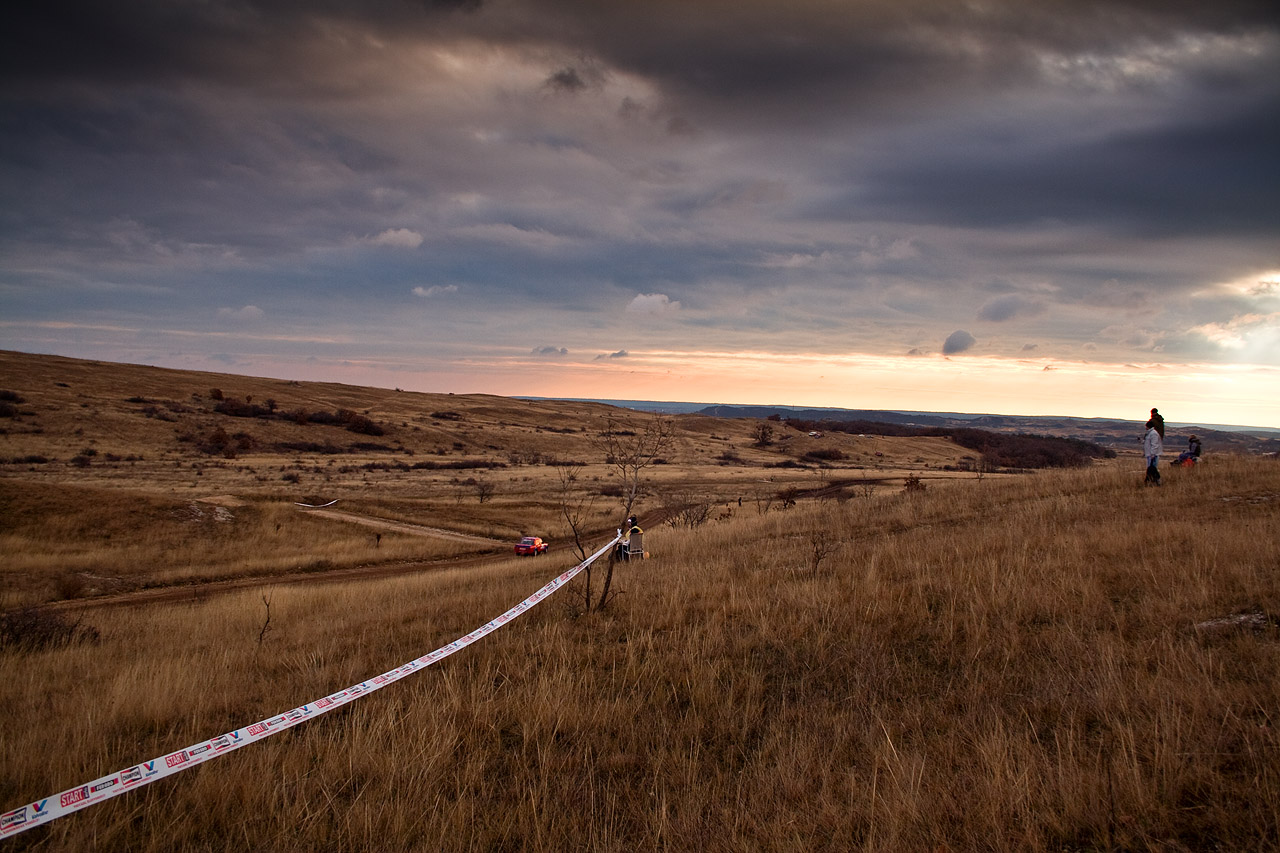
82, 796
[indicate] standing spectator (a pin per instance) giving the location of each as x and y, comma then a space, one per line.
1157, 422
1152, 447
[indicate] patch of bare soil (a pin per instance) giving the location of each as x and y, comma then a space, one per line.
222, 500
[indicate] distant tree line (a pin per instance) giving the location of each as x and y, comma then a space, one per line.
1005, 450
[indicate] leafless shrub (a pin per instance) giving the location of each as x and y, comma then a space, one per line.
266, 622
822, 542
33, 629
685, 509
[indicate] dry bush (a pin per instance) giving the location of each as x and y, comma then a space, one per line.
31, 629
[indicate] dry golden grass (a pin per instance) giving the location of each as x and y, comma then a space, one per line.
104, 486
999, 665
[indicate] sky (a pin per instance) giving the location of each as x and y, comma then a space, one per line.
1067, 207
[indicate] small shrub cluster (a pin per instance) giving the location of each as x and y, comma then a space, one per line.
9, 401
829, 454
345, 418
219, 442
327, 448
459, 465
32, 629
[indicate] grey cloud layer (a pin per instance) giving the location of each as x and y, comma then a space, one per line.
867, 174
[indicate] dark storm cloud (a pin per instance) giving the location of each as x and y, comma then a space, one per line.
1191, 177
723, 51
957, 342
566, 80
104, 40
809, 57
839, 162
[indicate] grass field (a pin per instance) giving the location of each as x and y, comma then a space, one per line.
121, 477
1057, 661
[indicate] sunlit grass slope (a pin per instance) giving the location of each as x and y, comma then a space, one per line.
1000, 665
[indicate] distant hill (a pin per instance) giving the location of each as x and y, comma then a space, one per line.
1108, 432
1112, 433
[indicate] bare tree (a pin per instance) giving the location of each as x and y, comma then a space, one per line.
821, 543
576, 506
630, 446
763, 434
686, 509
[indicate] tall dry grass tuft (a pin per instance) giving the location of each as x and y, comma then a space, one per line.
1000, 665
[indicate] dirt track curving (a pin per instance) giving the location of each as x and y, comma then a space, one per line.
403, 527
200, 591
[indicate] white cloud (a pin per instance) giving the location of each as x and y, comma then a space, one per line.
398, 238
652, 303
435, 290
532, 239
1257, 335
247, 313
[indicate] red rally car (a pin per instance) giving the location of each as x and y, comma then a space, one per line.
531, 546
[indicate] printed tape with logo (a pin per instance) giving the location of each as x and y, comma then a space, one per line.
83, 796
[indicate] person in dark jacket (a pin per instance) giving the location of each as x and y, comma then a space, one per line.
1192, 453
1156, 422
